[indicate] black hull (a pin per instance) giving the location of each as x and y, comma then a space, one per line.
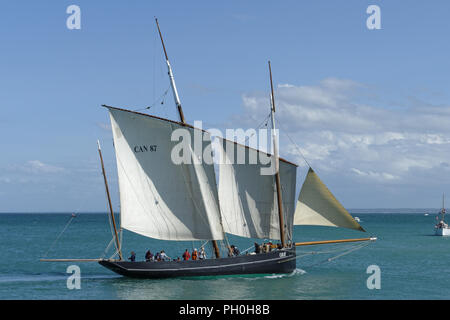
278, 261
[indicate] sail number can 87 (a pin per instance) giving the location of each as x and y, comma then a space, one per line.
245, 309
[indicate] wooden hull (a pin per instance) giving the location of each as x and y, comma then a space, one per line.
277, 261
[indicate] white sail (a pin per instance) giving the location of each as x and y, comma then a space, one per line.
158, 198
248, 199
316, 205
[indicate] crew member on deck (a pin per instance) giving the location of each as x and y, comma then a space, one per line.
148, 256
230, 251
158, 256
186, 255
164, 256
202, 254
133, 257
233, 251
194, 254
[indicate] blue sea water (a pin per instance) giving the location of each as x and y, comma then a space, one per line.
413, 263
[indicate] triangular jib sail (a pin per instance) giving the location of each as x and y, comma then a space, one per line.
159, 198
316, 205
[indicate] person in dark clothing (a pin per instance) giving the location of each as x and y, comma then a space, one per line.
233, 251
158, 256
133, 257
230, 251
148, 256
257, 248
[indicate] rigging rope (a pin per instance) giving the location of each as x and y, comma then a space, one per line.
74, 214
60, 234
163, 97
264, 122
117, 251
293, 142
107, 248
247, 249
351, 249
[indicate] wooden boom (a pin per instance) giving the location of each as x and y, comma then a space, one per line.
311, 243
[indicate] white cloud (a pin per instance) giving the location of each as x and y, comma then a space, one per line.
36, 166
381, 176
338, 129
104, 126
285, 85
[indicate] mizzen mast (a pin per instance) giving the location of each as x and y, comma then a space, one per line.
277, 165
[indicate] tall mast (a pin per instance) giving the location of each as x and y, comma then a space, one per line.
109, 202
277, 164
172, 79
180, 110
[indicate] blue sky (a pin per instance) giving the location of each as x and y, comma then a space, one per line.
370, 109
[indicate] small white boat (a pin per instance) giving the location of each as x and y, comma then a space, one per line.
442, 228
357, 219
444, 231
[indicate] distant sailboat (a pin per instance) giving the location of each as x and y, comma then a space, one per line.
182, 202
442, 228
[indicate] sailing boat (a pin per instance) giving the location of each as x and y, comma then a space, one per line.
180, 200
442, 228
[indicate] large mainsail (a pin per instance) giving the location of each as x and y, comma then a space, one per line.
316, 205
159, 198
248, 199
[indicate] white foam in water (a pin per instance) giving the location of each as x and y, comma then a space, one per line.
297, 271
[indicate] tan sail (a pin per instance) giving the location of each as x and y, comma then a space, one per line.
316, 205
